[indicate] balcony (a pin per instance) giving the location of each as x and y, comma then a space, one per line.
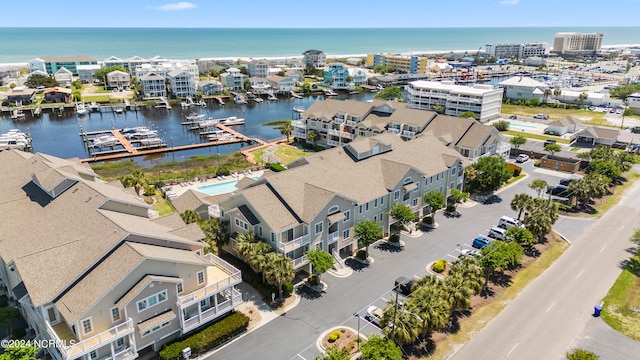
338, 120
71, 348
341, 134
299, 124
298, 134
333, 143
408, 134
219, 277
214, 211
294, 244
300, 262
232, 298
333, 237
393, 130
351, 123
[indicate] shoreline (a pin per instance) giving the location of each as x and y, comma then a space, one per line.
12, 65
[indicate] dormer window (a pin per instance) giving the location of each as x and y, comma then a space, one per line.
333, 210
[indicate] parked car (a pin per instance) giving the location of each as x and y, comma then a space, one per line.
404, 286
468, 253
567, 181
635, 129
619, 111
506, 222
513, 117
549, 141
541, 116
558, 190
374, 315
498, 233
480, 242
522, 158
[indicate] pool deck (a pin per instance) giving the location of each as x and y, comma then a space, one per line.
530, 127
194, 185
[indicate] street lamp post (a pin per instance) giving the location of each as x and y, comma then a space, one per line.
358, 338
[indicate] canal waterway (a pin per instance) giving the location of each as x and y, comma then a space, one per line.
57, 133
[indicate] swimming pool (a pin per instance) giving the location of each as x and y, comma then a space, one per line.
221, 188
521, 126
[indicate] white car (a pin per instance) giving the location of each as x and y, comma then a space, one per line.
374, 315
522, 158
468, 253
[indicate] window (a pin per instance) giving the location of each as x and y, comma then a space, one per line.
156, 328
437, 177
260, 231
318, 228
347, 216
152, 300
93, 354
453, 171
381, 218
179, 288
396, 195
120, 343
115, 314
366, 207
51, 313
87, 326
273, 237
431, 180
242, 224
333, 210
345, 234
407, 180
415, 202
375, 217
200, 276
375, 203
452, 185
382, 200
360, 209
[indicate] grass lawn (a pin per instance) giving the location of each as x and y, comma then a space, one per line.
4, 88
612, 200
483, 315
535, 136
620, 304
588, 117
286, 153
99, 98
514, 179
162, 206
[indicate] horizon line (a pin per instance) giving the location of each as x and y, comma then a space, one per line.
317, 28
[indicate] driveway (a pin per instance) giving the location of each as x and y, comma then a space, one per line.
293, 334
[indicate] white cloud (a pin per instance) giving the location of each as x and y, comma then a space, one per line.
509, 2
183, 5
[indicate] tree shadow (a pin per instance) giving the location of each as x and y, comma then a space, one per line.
385, 246
531, 251
453, 326
501, 279
308, 293
492, 199
355, 264
632, 265
421, 348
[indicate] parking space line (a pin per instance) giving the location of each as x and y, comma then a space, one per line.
550, 306
580, 273
302, 357
603, 247
513, 348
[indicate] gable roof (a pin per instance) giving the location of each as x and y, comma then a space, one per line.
599, 133
524, 82
566, 121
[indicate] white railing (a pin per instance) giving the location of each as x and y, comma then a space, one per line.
333, 237
407, 133
299, 262
333, 143
294, 244
338, 260
393, 131
351, 123
299, 124
126, 354
214, 288
87, 345
338, 120
213, 312
503, 147
340, 133
214, 211
299, 134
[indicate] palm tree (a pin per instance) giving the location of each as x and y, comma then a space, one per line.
286, 129
539, 223
431, 304
557, 92
402, 326
519, 203
216, 232
136, 179
243, 244
189, 216
458, 291
313, 136
279, 270
258, 258
546, 94
470, 270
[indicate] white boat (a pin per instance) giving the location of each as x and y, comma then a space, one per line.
17, 114
119, 110
195, 117
15, 139
240, 100
232, 120
272, 97
105, 141
298, 109
216, 134
201, 103
151, 141
81, 109
142, 134
258, 100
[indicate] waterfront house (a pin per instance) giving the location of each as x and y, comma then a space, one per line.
593, 98
182, 84
210, 87
129, 64
153, 86
259, 85
118, 79
232, 79
21, 95
484, 101
51, 64
314, 58
281, 84
316, 203
63, 76
410, 64
86, 73
294, 75
358, 76
525, 88
258, 68
594, 135
57, 95
100, 274
567, 124
336, 76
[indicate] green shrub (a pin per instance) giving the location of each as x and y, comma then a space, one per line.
501, 125
362, 255
313, 280
581, 354
537, 163
394, 238
334, 336
428, 220
18, 333
208, 338
450, 208
287, 289
439, 265
149, 191
250, 277
514, 169
277, 167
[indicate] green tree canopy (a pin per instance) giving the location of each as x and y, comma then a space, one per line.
36, 80
402, 214
468, 114
538, 186
190, 216
216, 234
389, 93
377, 348
367, 232
520, 235
20, 352
320, 260
286, 129
499, 255
581, 354
279, 270
313, 136
435, 199
519, 203
518, 141
552, 148
489, 173
334, 353
102, 73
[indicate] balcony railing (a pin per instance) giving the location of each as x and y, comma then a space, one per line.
340, 133
338, 120
213, 312
333, 143
351, 123
300, 262
294, 244
333, 237
409, 134
214, 211
299, 134
74, 351
213, 288
299, 124
393, 130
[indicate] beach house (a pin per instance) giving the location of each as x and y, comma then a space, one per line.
51, 64
182, 84
314, 58
210, 87
57, 95
86, 73
316, 203
525, 88
153, 85
94, 270
336, 76
20, 94
232, 79
281, 84
63, 76
258, 68
118, 79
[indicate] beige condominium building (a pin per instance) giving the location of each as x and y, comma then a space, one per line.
93, 268
574, 43
320, 198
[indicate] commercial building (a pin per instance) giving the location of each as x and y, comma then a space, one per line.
97, 272
573, 43
634, 102
484, 101
51, 64
518, 50
410, 64
525, 88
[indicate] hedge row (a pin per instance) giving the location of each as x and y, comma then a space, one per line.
277, 167
212, 336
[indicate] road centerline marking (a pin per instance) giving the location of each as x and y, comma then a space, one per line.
580, 273
550, 306
513, 348
603, 247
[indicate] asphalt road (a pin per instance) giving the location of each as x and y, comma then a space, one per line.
546, 318
293, 335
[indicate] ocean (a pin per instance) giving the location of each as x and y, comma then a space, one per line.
20, 45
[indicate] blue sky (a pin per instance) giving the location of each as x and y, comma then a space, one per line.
320, 14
